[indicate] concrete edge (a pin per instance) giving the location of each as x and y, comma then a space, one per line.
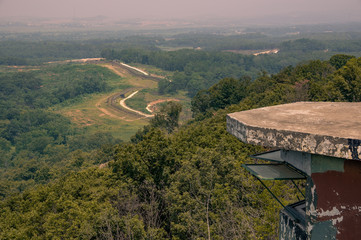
295, 141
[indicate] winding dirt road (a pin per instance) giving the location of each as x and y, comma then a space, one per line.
105, 111
122, 103
151, 105
120, 70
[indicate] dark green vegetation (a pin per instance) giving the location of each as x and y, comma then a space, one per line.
50, 86
188, 184
58, 181
44, 51
198, 58
209, 61
36, 144
333, 80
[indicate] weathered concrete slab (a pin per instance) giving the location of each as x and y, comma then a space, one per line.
325, 128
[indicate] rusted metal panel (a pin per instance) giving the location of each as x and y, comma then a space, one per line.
322, 140
337, 201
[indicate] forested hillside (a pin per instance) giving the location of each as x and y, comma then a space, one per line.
37, 144
188, 184
197, 58
196, 69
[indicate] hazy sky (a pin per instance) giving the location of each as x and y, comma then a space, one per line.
345, 10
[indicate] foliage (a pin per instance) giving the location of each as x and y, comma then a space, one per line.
345, 84
312, 81
12, 61
228, 91
194, 70
339, 60
42, 51
188, 184
167, 117
303, 45
35, 140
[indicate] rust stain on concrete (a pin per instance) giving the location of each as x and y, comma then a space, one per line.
339, 199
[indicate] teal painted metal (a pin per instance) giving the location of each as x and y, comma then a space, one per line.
280, 171
274, 156
323, 230
321, 164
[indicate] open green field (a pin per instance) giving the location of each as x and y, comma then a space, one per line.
92, 116
154, 71
101, 111
93, 113
170, 49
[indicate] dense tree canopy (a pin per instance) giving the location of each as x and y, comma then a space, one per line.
170, 182
188, 184
313, 81
34, 141
196, 70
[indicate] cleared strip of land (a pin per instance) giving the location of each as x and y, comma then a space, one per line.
139, 82
137, 69
122, 103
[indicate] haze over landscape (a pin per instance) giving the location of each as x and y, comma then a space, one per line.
260, 11
113, 115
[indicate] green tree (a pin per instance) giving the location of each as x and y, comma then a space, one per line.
168, 116
345, 84
340, 60
200, 102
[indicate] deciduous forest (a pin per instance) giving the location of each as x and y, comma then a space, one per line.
172, 179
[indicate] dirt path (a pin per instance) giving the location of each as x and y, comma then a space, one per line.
121, 70
82, 60
112, 68
151, 105
122, 103
134, 68
105, 111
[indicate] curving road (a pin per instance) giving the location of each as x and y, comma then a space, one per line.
122, 103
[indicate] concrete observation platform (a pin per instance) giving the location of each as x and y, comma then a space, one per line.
324, 128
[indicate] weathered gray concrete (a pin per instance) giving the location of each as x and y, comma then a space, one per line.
299, 160
325, 128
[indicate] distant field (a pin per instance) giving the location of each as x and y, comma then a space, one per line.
254, 52
88, 116
95, 113
146, 96
154, 71
169, 49
101, 112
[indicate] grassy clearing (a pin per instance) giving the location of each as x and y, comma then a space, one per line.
88, 114
19, 69
58, 72
129, 78
148, 96
153, 70
138, 101
170, 49
143, 98
92, 113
